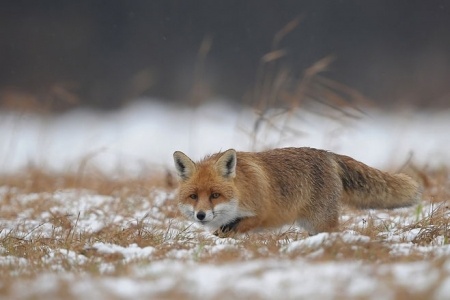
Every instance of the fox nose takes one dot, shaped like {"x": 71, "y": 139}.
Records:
{"x": 201, "y": 215}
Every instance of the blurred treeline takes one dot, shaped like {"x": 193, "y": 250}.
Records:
{"x": 59, "y": 54}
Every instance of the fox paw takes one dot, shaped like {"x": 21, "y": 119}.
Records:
{"x": 227, "y": 230}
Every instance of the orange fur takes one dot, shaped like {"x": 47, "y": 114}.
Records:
{"x": 236, "y": 192}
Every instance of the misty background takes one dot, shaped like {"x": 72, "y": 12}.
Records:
{"x": 103, "y": 54}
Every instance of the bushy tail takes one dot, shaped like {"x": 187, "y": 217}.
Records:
{"x": 366, "y": 187}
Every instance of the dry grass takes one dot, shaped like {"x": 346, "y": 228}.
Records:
{"x": 281, "y": 93}
{"x": 37, "y": 193}
{"x": 45, "y": 219}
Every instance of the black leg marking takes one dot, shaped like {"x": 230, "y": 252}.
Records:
{"x": 230, "y": 226}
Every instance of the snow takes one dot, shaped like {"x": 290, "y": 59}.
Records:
{"x": 288, "y": 275}
{"x": 141, "y": 138}
{"x": 131, "y": 252}
{"x": 269, "y": 279}
{"x": 312, "y": 242}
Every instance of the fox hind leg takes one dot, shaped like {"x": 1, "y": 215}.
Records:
{"x": 326, "y": 222}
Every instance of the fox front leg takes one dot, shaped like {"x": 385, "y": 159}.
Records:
{"x": 238, "y": 226}
{"x": 227, "y": 230}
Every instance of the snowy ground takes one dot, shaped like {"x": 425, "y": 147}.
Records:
{"x": 378, "y": 255}
{"x": 144, "y": 135}
{"x": 120, "y": 243}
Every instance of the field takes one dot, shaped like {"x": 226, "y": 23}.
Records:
{"x": 76, "y": 231}
{"x": 66, "y": 237}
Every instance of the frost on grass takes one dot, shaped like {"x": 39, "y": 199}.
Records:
{"x": 115, "y": 243}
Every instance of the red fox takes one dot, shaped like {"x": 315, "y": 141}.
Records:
{"x": 234, "y": 192}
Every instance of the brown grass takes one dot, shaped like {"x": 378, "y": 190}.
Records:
{"x": 33, "y": 196}
{"x": 42, "y": 186}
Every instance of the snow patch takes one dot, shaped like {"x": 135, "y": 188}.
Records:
{"x": 125, "y": 140}
{"x": 131, "y": 252}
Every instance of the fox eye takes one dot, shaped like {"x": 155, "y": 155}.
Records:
{"x": 215, "y": 195}
{"x": 193, "y": 196}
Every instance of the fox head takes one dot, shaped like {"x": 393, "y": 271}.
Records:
{"x": 207, "y": 193}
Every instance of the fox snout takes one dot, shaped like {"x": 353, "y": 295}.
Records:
{"x": 204, "y": 216}
{"x": 218, "y": 216}
{"x": 201, "y": 215}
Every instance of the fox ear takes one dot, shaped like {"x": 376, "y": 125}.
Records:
{"x": 226, "y": 164}
{"x": 184, "y": 165}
